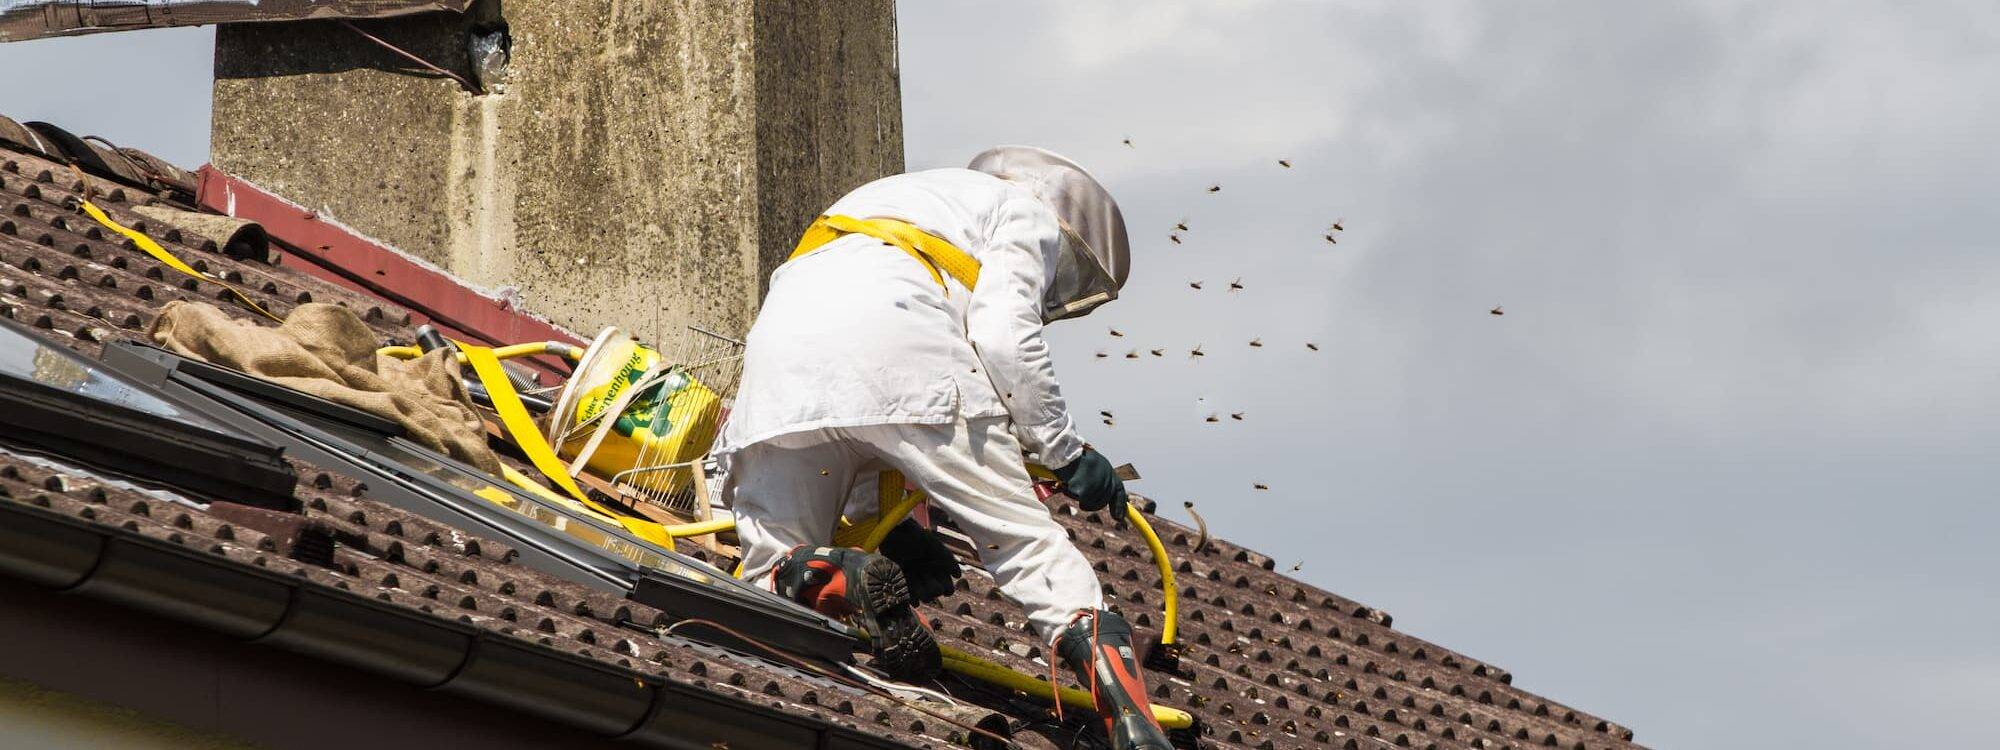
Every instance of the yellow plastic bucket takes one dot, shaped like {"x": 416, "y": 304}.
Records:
{"x": 673, "y": 420}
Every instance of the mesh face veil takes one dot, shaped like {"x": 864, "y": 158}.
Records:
{"x": 1095, "y": 256}
{"x": 1080, "y": 282}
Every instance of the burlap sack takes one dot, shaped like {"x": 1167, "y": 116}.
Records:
{"x": 326, "y": 351}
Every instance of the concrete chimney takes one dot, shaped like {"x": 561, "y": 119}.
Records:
{"x": 644, "y": 163}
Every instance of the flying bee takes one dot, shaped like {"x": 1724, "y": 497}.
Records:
{"x": 1159, "y": 352}
{"x": 1236, "y": 415}
{"x": 1194, "y": 285}
{"x": 1286, "y": 163}
{"x": 1215, "y": 188}
{"x": 1259, "y": 343}
{"x": 1336, "y": 225}
{"x": 1196, "y": 352}
{"x": 1128, "y": 143}
{"x": 1182, "y": 225}
{"x": 1310, "y": 345}
{"x": 1116, "y": 332}
{"x": 1213, "y": 419}
{"x": 1175, "y": 237}
{"x": 1330, "y": 240}
{"x": 1495, "y": 311}
{"x": 1237, "y": 285}
{"x": 1134, "y": 354}
{"x": 1261, "y": 486}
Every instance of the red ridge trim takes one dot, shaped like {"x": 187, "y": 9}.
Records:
{"x": 343, "y": 257}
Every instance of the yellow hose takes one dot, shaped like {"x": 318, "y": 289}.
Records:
{"x": 510, "y": 351}
{"x": 962, "y": 663}
{"x": 886, "y": 519}
{"x": 1170, "y": 594}
{"x": 702, "y": 528}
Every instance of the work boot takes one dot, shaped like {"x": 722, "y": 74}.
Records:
{"x": 867, "y": 591}
{"x": 1098, "y": 646}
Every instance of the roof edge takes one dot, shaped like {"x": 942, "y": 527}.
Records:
{"x": 265, "y": 606}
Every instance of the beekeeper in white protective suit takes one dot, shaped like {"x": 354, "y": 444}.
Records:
{"x": 906, "y": 333}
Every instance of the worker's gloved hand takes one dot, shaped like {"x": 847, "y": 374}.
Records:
{"x": 1094, "y": 483}
{"x": 929, "y": 567}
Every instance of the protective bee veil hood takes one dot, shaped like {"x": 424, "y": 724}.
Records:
{"x": 1095, "y": 257}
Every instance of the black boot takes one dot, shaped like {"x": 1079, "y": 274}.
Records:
{"x": 1098, "y": 646}
{"x": 869, "y": 592}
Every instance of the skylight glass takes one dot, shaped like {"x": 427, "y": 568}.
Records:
{"x": 29, "y": 358}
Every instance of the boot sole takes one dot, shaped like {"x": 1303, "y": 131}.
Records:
{"x": 903, "y": 647}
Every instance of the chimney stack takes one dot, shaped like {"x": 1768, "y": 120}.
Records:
{"x": 643, "y": 163}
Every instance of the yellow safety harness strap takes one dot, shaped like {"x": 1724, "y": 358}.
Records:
{"x": 160, "y": 254}
{"x": 938, "y": 256}
{"x": 514, "y": 417}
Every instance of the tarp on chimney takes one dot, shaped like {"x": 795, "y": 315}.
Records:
{"x": 33, "y": 19}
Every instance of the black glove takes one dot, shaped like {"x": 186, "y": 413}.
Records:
{"x": 928, "y": 566}
{"x": 1091, "y": 480}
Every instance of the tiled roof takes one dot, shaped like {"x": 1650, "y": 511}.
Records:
{"x": 391, "y": 556}
{"x": 65, "y": 274}
{"x": 1270, "y": 662}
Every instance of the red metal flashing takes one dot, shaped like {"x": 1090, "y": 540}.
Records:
{"x": 343, "y": 257}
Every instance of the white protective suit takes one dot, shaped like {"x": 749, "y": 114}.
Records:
{"x": 862, "y": 360}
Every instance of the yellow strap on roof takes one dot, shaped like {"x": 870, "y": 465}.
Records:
{"x": 514, "y": 417}
{"x": 938, "y": 256}
{"x": 154, "y": 249}
{"x": 160, "y": 254}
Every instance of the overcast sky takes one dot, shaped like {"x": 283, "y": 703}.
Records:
{"x": 1722, "y": 472}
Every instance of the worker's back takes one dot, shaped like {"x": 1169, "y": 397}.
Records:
{"x": 858, "y": 332}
